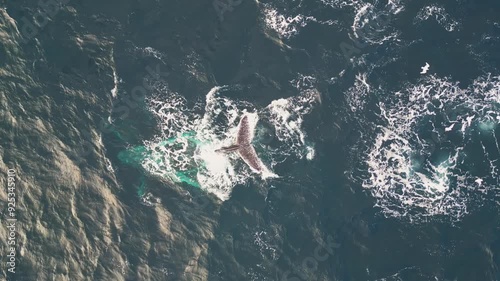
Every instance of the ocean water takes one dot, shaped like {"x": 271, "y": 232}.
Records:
{"x": 376, "y": 122}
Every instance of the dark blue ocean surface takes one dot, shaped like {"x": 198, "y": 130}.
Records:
{"x": 370, "y": 152}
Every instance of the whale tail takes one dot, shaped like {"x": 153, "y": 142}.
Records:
{"x": 244, "y": 145}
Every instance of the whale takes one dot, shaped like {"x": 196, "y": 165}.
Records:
{"x": 243, "y": 145}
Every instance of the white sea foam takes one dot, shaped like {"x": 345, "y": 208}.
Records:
{"x": 283, "y": 25}
{"x": 371, "y": 21}
{"x": 288, "y": 26}
{"x": 303, "y": 82}
{"x": 371, "y": 25}
{"x": 440, "y": 15}
{"x": 356, "y": 96}
{"x": 264, "y": 242}
{"x": 150, "y": 52}
{"x": 368, "y": 23}
{"x": 395, "y": 6}
{"x": 339, "y": 4}
{"x": 287, "y": 116}
{"x": 114, "y": 91}
{"x": 416, "y": 169}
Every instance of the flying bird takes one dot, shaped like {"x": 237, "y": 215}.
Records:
{"x": 424, "y": 68}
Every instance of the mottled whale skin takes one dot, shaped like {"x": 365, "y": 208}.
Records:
{"x": 244, "y": 146}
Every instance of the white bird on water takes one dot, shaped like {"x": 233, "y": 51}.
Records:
{"x": 479, "y": 181}
{"x": 424, "y": 68}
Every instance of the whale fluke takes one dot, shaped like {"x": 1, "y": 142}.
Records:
{"x": 244, "y": 145}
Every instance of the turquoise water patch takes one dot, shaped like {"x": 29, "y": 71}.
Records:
{"x": 487, "y": 126}
{"x": 167, "y": 158}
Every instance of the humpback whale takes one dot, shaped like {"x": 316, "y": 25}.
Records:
{"x": 244, "y": 145}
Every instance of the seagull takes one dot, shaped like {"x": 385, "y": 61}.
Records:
{"x": 425, "y": 68}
